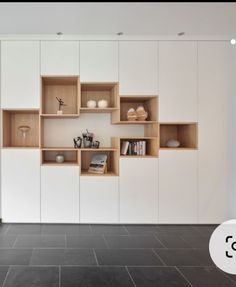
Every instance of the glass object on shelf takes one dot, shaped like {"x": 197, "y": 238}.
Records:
{"x": 24, "y": 132}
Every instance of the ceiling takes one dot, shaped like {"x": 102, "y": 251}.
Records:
{"x": 109, "y": 18}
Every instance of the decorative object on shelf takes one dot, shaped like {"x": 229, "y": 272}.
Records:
{"x": 98, "y": 164}
{"x": 91, "y": 104}
{"x": 95, "y": 144}
{"x": 102, "y": 104}
{"x": 24, "y": 131}
{"x": 77, "y": 142}
{"x": 87, "y": 139}
{"x": 61, "y": 104}
{"x": 131, "y": 115}
{"x": 141, "y": 114}
{"x": 172, "y": 143}
{"x": 60, "y": 158}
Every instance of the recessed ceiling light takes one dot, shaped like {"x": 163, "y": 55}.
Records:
{"x": 59, "y": 33}
{"x": 120, "y": 33}
{"x": 233, "y": 41}
{"x": 181, "y": 34}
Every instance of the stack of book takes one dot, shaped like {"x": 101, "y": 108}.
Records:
{"x": 133, "y": 148}
{"x": 98, "y": 164}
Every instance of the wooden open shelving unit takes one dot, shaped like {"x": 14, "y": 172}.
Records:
{"x": 66, "y": 88}
{"x": 185, "y": 133}
{"x": 99, "y": 91}
{"x": 150, "y": 104}
{"x": 75, "y": 95}
{"x": 12, "y": 119}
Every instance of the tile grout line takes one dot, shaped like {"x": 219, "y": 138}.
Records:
{"x": 5, "y": 232}
{"x": 178, "y": 270}
{"x": 5, "y": 280}
{"x": 159, "y": 257}
{"x": 66, "y": 241}
{"x": 159, "y": 240}
{"x": 125, "y": 228}
{"x": 14, "y": 244}
{"x": 95, "y": 255}
{"x": 59, "y": 276}
{"x": 131, "y": 278}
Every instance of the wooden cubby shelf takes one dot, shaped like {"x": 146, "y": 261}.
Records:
{"x": 112, "y": 161}
{"x": 48, "y": 157}
{"x": 151, "y": 146}
{"x": 150, "y": 104}
{"x": 96, "y": 92}
{"x": 66, "y": 88}
{"x": 13, "y": 135}
{"x": 185, "y": 133}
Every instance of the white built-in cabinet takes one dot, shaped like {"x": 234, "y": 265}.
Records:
{"x": 138, "y": 190}
{"x": 20, "y": 74}
{"x": 60, "y": 194}
{"x": 178, "y": 100}
{"x": 215, "y": 83}
{"x": 60, "y": 58}
{"x": 138, "y": 67}
{"x": 20, "y": 185}
{"x": 99, "y": 61}
{"x": 178, "y": 199}
{"x": 99, "y": 199}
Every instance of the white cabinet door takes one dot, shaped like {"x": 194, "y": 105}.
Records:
{"x": 60, "y": 194}
{"x": 99, "y": 199}
{"x": 139, "y": 190}
{"x": 20, "y": 185}
{"x": 178, "y": 81}
{"x": 20, "y": 76}
{"x": 138, "y": 66}
{"x": 178, "y": 186}
{"x": 60, "y": 58}
{"x": 99, "y": 61}
{"x": 215, "y": 76}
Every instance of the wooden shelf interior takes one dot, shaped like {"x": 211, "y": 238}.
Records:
{"x": 49, "y": 156}
{"x": 151, "y": 146}
{"x": 66, "y": 88}
{"x": 186, "y": 134}
{"x": 150, "y": 105}
{"x": 12, "y": 120}
{"x": 99, "y": 91}
{"x": 112, "y": 161}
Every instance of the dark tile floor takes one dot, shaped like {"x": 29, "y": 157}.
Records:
{"x": 108, "y": 256}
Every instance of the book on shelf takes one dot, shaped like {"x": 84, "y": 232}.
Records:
{"x": 98, "y": 164}
{"x": 133, "y": 148}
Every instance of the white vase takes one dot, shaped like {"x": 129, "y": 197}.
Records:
{"x": 102, "y": 104}
{"x": 60, "y": 158}
{"x": 172, "y": 143}
{"x": 91, "y": 104}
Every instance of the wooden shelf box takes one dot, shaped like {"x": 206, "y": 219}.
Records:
{"x": 150, "y": 105}
{"x": 13, "y": 136}
{"x": 66, "y": 88}
{"x": 185, "y": 133}
{"x": 150, "y": 142}
{"x": 112, "y": 161}
{"x": 48, "y": 156}
{"x": 99, "y": 91}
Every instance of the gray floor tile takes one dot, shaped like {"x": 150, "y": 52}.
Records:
{"x": 15, "y": 256}
{"x": 133, "y": 241}
{"x": 231, "y": 276}
{"x": 173, "y": 230}
{"x": 108, "y": 229}
{"x": 95, "y": 277}
{"x": 141, "y": 229}
{"x": 127, "y": 257}
{"x": 32, "y": 277}
{"x": 197, "y": 241}
{"x": 16, "y": 229}
{"x": 7, "y": 241}
{"x": 206, "y": 277}
{"x": 173, "y": 241}
{"x": 3, "y": 273}
{"x": 185, "y": 257}
{"x": 85, "y": 241}
{"x": 157, "y": 276}
{"x": 205, "y": 229}
{"x": 63, "y": 257}
{"x": 3, "y": 228}
{"x": 33, "y": 241}
{"x": 73, "y": 229}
